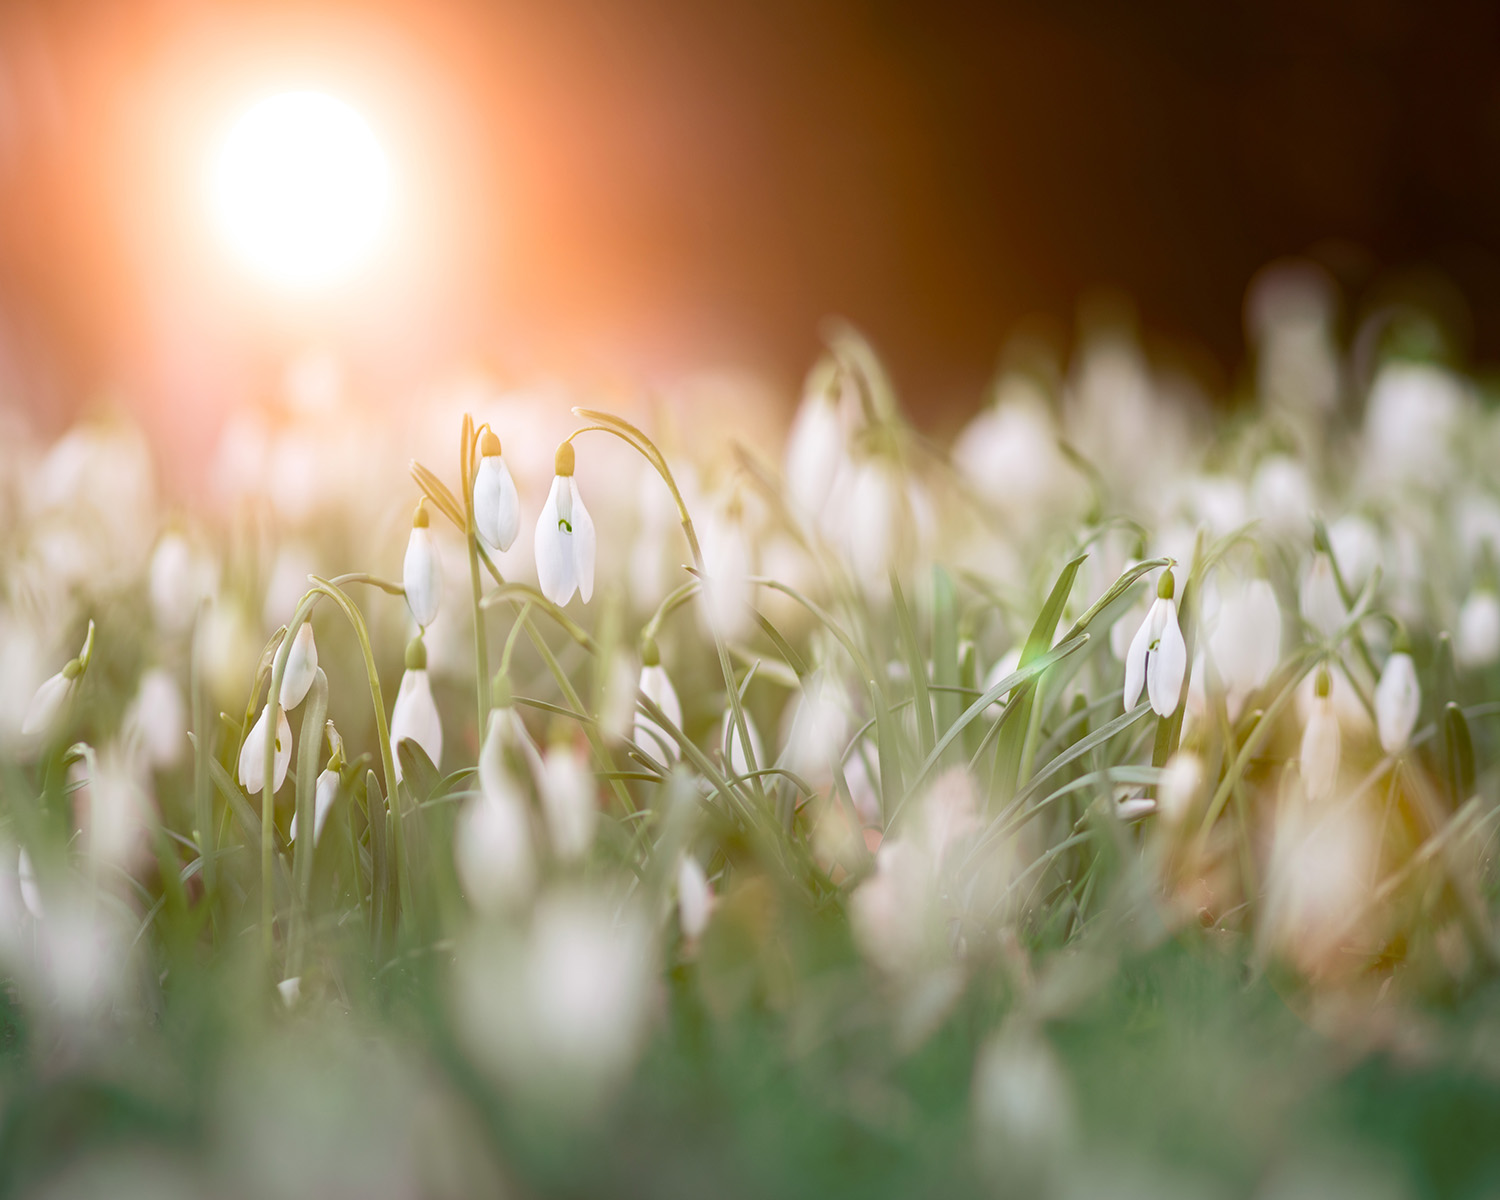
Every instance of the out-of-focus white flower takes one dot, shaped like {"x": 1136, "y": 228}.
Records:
{"x": 1398, "y": 699}
{"x": 878, "y": 531}
{"x": 1006, "y": 665}
{"x": 114, "y": 810}
{"x": 565, "y": 538}
{"x": 892, "y": 912}
{"x": 695, "y": 898}
{"x": 1281, "y": 495}
{"x": 1356, "y": 549}
{"x": 650, "y": 736}
{"x": 31, "y": 894}
{"x": 817, "y": 731}
{"x": 157, "y": 718}
{"x": 1245, "y": 640}
{"x": 325, "y": 793}
{"x": 421, "y": 572}
{"x": 301, "y": 666}
{"x": 1318, "y": 600}
{"x": 415, "y": 715}
{"x": 1009, "y": 454}
{"x": 1181, "y": 781}
{"x": 492, "y": 842}
{"x": 45, "y": 712}
{"x": 253, "y": 754}
{"x": 560, "y": 1013}
{"x": 1157, "y": 660}
{"x": 290, "y": 991}
{"x": 287, "y": 583}
{"x": 1023, "y": 1106}
{"x": 178, "y": 579}
{"x": 733, "y": 749}
{"x": 1322, "y": 743}
{"x": 728, "y": 558}
{"x": 1476, "y": 641}
{"x": 1411, "y": 418}
{"x": 815, "y": 446}
{"x": 497, "y": 507}
{"x": 569, "y": 802}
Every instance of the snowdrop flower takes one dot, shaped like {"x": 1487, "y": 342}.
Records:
{"x": 1009, "y": 455}
{"x": 492, "y": 844}
{"x": 1321, "y": 743}
{"x": 253, "y": 754}
{"x": 325, "y": 792}
{"x": 177, "y": 580}
{"x": 650, "y": 736}
{"x": 45, "y": 712}
{"x": 31, "y": 892}
{"x": 815, "y": 735}
{"x": 1354, "y": 542}
{"x": 565, "y": 537}
{"x": 815, "y": 446}
{"x": 733, "y": 749}
{"x": 415, "y": 716}
{"x": 290, "y": 990}
{"x": 879, "y": 522}
{"x": 1157, "y": 660}
{"x": 113, "y": 809}
{"x": 301, "y": 666}
{"x": 497, "y": 508}
{"x": 157, "y": 718}
{"x": 568, "y": 802}
{"x": 727, "y": 557}
{"x": 1398, "y": 698}
{"x": 695, "y": 898}
{"x": 421, "y": 573}
{"x": 1476, "y": 641}
{"x": 1245, "y": 642}
{"x": 1319, "y": 600}
{"x": 1410, "y": 420}
{"x": 1281, "y": 495}
{"x": 1181, "y": 781}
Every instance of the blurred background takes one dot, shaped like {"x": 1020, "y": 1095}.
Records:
{"x": 637, "y": 192}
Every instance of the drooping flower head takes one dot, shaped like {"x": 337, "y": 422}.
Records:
{"x": 565, "y": 541}
{"x": 657, "y": 688}
{"x": 420, "y": 572}
{"x": 301, "y": 667}
{"x": 415, "y": 716}
{"x": 1322, "y": 743}
{"x": 1157, "y": 659}
{"x": 1398, "y": 699}
{"x": 252, "y": 767}
{"x": 497, "y": 508}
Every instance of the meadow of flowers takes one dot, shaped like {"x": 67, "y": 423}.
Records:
{"x": 1103, "y": 803}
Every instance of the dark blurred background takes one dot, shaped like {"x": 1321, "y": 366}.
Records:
{"x": 653, "y": 186}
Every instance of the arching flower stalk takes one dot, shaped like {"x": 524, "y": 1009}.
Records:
{"x": 565, "y": 540}
{"x": 1157, "y": 659}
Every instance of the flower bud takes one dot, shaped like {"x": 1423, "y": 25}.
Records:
{"x": 497, "y": 508}
{"x": 421, "y": 575}
{"x": 1321, "y": 743}
{"x": 695, "y": 898}
{"x": 1398, "y": 699}
{"x": 301, "y": 666}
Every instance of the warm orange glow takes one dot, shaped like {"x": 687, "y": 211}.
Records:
{"x": 301, "y": 189}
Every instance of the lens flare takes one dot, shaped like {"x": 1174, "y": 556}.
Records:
{"x": 301, "y": 189}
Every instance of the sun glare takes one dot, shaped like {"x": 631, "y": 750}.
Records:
{"x": 301, "y": 189}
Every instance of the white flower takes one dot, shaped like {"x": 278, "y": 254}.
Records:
{"x": 1281, "y": 495}
{"x": 113, "y": 808}
{"x": 1319, "y": 600}
{"x": 695, "y": 898}
{"x": 650, "y": 736}
{"x": 815, "y": 446}
{"x": 290, "y": 990}
{"x": 568, "y": 802}
{"x": 1355, "y": 542}
{"x": 1157, "y": 660}
{"x": 157, "y": 718}
{"x": 565, "y": 539}
{"x": 178, "y": 579}
{"x": 816, "y": 733}
{"x": 492, "y": 846}
{"x": 253, "y": 754}
{"x": 1009, "y": 455}
{"x": 1245, "y": 642}
{"x": 727, "y": 559}
{"x": 1398, "y": 698}
{"x": 1410, "y": 420}
{"x": 31, "y": 893}
{"x": 421, "y": 573}
{"x": 879, "y": 518}
{"x": 1321, "y": 744}
{"x": 733, "y": 750}
{"x": 497, "y": 508}
{"x": 1181, "y": 781}
{"x": 301, "y": 666}
{"x": 415, "y": 715}
{"x": 1476, "y": 641}
{"x": 45, "y": 712}
{"x": 324, "y": 794}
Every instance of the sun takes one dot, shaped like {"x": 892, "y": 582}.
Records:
{"x": 301, "y": 189}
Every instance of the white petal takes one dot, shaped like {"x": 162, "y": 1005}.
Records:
{"x": 568, "y": 803}
{"x": 47, "y": 705}
{"x": 324, "y": 795}
{"x": 732, "y": 748}
{"x": 252, "y": 767}
{"x": 584, "y": 544}
{"x": 695, "y": 898}
{"x": 492, "y": 846}
{"x": 1398, "y": 698}
{"x": 283, "y": 759}
{"x": 1167, "y": 665}
{"x": 421, "y": 577}
{"x": 415, "y": 718}
{"x": 650, "y": 736}
{"x": 556, "y": 571}
{"x": 1321, "y": 751}
{"x": 301, "y": 666}
{"x": 1135, "y": 662}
